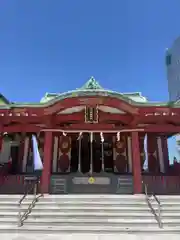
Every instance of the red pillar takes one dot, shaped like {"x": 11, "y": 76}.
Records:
{"x": 136, "y": 163}
{"x": 45, "y": 180}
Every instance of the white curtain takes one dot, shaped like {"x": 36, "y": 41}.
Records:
{"x": 145, "y": 166}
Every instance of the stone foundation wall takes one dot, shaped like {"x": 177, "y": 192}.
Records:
{"x": 100, "y": 183}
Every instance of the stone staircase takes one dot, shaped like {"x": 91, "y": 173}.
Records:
{"x": 90, "y": 214}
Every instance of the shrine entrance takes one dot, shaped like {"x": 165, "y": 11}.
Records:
{"x": 92, "y": 155}
{"x": 92, "y": 168}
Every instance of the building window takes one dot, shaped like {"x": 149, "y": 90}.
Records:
{"x": 168, "y": 60}
{"x": 178, "y": 95}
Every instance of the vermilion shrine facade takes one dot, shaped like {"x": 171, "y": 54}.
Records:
{"x": 91, "y": 140}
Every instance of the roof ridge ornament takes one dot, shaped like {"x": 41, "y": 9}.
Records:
{"x": 91, "y": 84}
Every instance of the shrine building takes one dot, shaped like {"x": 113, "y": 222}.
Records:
{"x": 91, "y": 140}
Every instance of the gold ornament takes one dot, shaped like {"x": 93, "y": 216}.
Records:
{"x": 91, "y": 180}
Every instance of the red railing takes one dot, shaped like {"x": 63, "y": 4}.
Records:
{"x": 163, "y": 184}
{"x": 4, "y": 171}
{"x": 12, "y": 184}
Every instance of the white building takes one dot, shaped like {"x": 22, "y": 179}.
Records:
{"x": 173, "y": 77}
{"x": 173, "y": 70}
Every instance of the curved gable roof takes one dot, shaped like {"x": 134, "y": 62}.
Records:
{"x": 92, "y": 88}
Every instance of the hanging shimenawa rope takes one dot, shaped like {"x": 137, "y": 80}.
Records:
{"x": 102, "y": 149}
{"x": 118, "y": 136}
{"x": 91, "y": 152}
{"x": 79, "y": 151}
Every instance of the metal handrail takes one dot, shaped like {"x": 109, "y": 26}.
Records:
{"x": 22, "y": 217}
{"x": 148, "y": 199}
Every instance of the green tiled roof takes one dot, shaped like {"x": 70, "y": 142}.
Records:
{"x": 3, "y": 100}
{"x": 93, "y": 88}
{"x": 90, "y": 88}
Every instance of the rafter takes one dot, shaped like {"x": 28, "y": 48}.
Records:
{"x": 91, "y": 101}
{"x": 162, "y": 128}
{"x": 153, "y": 128}
{"x": 124, "y": 118}
{"x": 166, "y": 128}
{"x": 163, "y": 110}
{"x": 20, "y": 128}
{"x": 158, "y": 119}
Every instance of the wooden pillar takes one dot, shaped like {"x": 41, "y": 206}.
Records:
{"x": 160, "y": 154}
{"x": 1, "y": 142}
{"x": 21, "y": 153}
{"x": 136, "y": 163}
{"x": 165, "y": 152}
{"x": 153, "y": 158}
{"x": 45, "y": 180}
{"x": 25, "y": 153}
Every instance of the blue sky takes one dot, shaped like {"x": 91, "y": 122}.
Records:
{"x": 54, "y": 46}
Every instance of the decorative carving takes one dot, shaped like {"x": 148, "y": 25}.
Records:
{"x": 64, "y": 154}
{"x": 121, "y": 157}
{"x": 120, "y": 145}
{"x": 63, "y": 162}
{"x": 121, "y": 163}
{"x": 65, "y": 144}
{"x": 91, "y": 84}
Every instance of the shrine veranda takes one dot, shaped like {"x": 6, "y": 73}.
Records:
{"x": 91, "y": 140}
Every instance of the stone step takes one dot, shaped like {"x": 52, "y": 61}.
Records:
{"x": 12, "y": 228}
{"x": 100, "y": 215}
{"x": 94, "y": 196}
{"x": 79, "y": 208}
{"x": 110, "y": 200}
{"x": 99, "y": 199}
{"x": 79, "y": 197}
{"x": 38, "y": 210}
{"x": 74, "y": 211}
{"x": 45, "y": 214}
{"x": 94, "y": 204}
{"x": 77, "y": 223}
{"x": 75, "y": 203}
{"x": 83, "y": 220}
{"x": 89, "y": 207}
{"x": 91, "y": 216}
{"x": 80, "y": 200}
{"x": 127, "y": 214}
{"x": 106, "y": 203}
{"x": 123, "y": 222}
